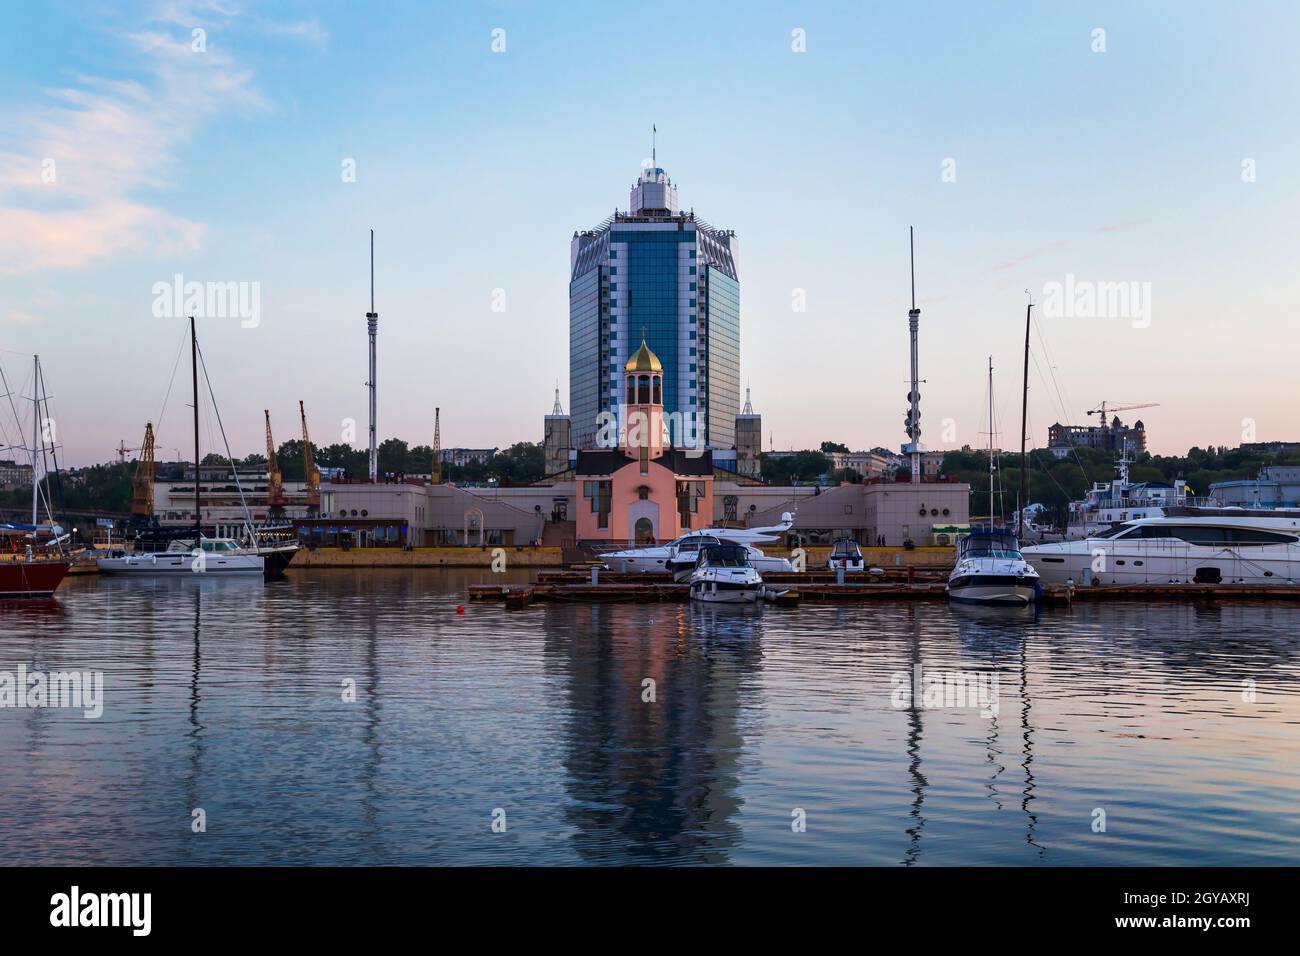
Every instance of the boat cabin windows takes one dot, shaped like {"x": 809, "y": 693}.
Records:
{"x": 986, "y": 544}
{"x": 1203, "y": 535}
{"x": 724, "y": 556}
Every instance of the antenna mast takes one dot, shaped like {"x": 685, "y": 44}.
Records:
{"x": 372, "y": 326}
{"x": 913, "y": 420}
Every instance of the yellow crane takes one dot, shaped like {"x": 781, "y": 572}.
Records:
{"x": 435, "y": 473}
{"x": 309, "y": 471}
{"x": 274, "y": 483}
{"x": 142, "y": 484}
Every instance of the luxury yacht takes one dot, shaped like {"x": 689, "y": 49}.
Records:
{"x": 1187, "y": 545}
{"x": 660, "y": 558}
{"x": 723, "y": 575}
{"x": 990, "y": 570}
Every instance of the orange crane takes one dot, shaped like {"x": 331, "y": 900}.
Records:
{"x": 274, "y": 483}
{"x": 142, "y": 484}
{"x": 309, "y": 471}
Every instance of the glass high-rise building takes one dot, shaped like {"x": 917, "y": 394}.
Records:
{"x": 670, "y": 277}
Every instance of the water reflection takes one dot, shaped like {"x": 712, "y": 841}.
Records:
{"x": 642, "y": 733}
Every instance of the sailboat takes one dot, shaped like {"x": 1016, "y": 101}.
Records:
{"x": 219, "y": 557}
{"x": 28, "y": 567}
{"x": 990, "y": 569}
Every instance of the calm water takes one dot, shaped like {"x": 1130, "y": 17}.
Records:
{"x": 227, "y": 695}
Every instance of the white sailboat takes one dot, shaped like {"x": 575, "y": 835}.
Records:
{"x": 990, "y": 568}
{"x": 219, "y": 557}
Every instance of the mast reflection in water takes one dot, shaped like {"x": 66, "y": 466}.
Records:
{"x": 355, "y": 717}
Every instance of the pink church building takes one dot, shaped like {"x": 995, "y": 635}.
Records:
{"x": 642, "y": 491}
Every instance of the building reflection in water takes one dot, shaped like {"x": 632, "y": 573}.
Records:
{"x": 655, "y": 782}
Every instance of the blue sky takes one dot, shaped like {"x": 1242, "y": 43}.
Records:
{"x": 474, "y": 168}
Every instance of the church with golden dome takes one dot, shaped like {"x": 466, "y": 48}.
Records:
{"x": 639, "y": 487}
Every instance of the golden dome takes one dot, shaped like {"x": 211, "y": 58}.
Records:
{"x": 644, "y": 361}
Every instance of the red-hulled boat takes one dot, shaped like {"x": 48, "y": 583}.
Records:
{"x": 38, "y": 578}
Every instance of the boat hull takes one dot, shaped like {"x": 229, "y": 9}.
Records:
{"x": 182, "y": 563}
{"x": 724, "y": 592}
{"x": 31, "y": 579}
{"x": 993, "y": 590}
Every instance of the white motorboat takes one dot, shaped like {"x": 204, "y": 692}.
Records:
{"x": 217, "y": 556}
{"x": 990, "y": 570}
{"x": 723, "y": 575}
{"x": 846, "y": 554}
{"x": 1187, "y": 545}
{"x": 660, "y": 558}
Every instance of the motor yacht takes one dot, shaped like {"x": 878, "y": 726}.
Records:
{"x": 723, "y": 575}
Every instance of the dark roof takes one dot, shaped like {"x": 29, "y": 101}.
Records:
{"x": 680, "y": 462}
{"x": 606, "y": 461}
{"x": 602, "y": 461}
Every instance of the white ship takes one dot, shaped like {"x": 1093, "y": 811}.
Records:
{"x": 723, "y": 575}
{"x": 1111, "y": 503}
{"x": 1186, "y": 545}
{"x": 662, "y": 557}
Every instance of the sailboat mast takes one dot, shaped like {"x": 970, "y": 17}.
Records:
{"x": 36, "y": 421}
{"x": 198, "y": 501}
{"x": 1024, "y": 424}
{"x": 990, "y": 442}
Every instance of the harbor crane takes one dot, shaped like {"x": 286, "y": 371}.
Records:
{"x": 142, "y": 484}
{"x": 274, "y": 482}
{"x": 310, "y": 473}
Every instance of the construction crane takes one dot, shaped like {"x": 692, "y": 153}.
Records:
{"x": 1110, "y": 407}
{"x": 309, "y": 472}
{"x": 142, "y": 485}
{"x": 1104, "y": 406}
{"x": 122, "y": 451}
{"x": 435, "y": 473}
{"x": 274, "y": 483}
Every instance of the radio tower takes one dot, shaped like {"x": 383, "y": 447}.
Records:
{"x": 435, "y": 474}
{"x": 372, "y": 325}
{"x": 912, "y": 422}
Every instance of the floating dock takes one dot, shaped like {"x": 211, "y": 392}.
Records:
{"x": 791, "y": 590}
{"x": 522, "y": 595}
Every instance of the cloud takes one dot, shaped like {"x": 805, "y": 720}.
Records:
{"x": 74, "y": 190}
{"x": 18, "y": 317}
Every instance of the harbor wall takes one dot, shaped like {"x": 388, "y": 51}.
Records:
{"x": 425, "y": 558}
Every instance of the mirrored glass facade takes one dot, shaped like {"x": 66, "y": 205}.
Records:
{"x": 670, "y": 277}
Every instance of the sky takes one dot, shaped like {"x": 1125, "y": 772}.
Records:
{"x": 1149, "y": 149}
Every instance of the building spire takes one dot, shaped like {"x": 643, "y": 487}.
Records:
{"x": 557, "y": 410}
{"x": 748, "y": 409}
{"x": 654, "y": 137}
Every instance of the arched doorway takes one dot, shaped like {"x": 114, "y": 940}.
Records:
{"x": 644, "y": 531}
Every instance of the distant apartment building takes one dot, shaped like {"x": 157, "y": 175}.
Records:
{"x": 463, "y": 456}
{"x": 667, "y": 277}
{"x": 14, "y": 475}
{"x": 866, "y": 464}
{"x": 1116, "y": 436}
